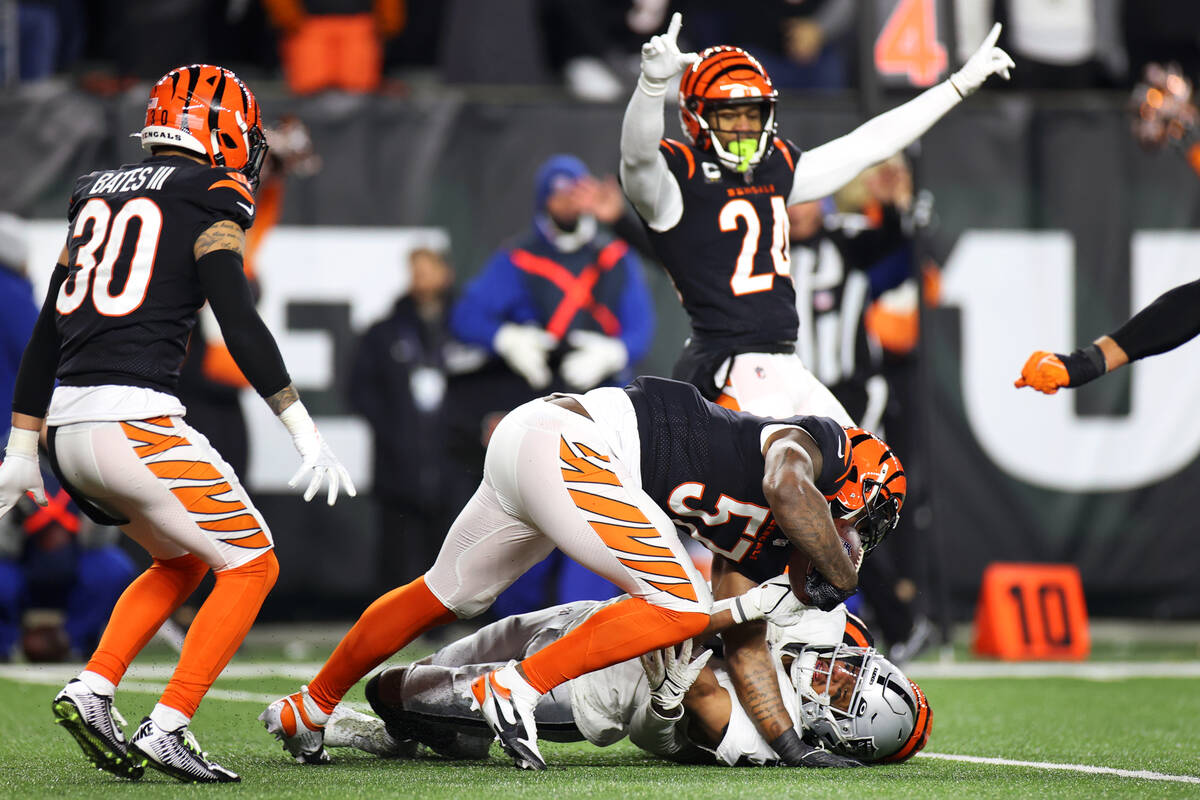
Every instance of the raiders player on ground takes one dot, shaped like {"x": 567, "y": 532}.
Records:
{"x": 147, "y": 244}
{"x": 837, "y": 689}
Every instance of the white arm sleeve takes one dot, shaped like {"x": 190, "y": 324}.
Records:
{"x": 647, "y": 180}
{"x": 825, "y": 169}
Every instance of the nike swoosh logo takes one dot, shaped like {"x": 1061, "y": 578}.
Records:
{"x": 250, "y": 210}
{"x": 840, "y": 441}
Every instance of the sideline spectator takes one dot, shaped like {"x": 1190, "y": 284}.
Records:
{"x": 564, "y": 289}
{"x": 566, "y": 307}
{"x": 398, "y": 383}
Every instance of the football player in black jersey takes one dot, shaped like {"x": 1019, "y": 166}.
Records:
{"x": 715, "y": 208}
{"x": 610, "y": 477}
{"x": 147, "y": 244}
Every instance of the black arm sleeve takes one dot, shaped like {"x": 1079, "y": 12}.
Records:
{"x": 39, "y": 363}
{"x": 1171, "y": 320}
{"x": 630, "y": 228}
{"x": 249, "y": 340}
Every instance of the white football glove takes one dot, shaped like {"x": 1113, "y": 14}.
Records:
{"x": 662, "y": 60}
{"x": 987, "y": 60}
{"x": 594, "y": 358}
{"x": 670, "y": 672}
{"x": 315, "y": 456}
{"x": 772, "y": 600}
{"x": 19, "y": 472}
{"x": 526, "y": 348}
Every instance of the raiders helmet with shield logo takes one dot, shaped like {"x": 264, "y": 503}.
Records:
{"x": 856, "y": 703}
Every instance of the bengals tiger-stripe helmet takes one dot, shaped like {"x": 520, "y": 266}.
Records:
{"x": 207, "y": 110}
{"x": 727, "y": 76}
{"x": 874, "y": 490}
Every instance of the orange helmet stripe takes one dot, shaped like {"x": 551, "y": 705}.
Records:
{"x": 920, "y": 732}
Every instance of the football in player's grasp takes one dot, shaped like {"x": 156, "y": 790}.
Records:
{"x": 799, "y": 564}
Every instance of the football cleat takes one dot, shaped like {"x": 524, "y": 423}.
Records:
{"x": 96, "y": 725}
{"x": 292, "y": 724}
{"x": 178, "y": 754}
{"x": 509, "y": 716}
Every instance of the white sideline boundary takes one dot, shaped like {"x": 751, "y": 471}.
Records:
{"x": 1091, "y": 671}
{"x": 1086, "y": 768}
{"x": 149, "y": 679}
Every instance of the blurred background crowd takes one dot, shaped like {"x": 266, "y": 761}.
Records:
{"x": 588, "y": 46}
{"x": 430, "y": 158}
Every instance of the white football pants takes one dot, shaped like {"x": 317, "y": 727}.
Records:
{"x": 552, "y": 480}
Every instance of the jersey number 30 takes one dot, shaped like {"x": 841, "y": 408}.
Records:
{"x": 744, "y": 281}
{"x": 96, "y": 277}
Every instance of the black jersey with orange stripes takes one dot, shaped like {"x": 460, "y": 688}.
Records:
{"x": 728, "y": 254}
{"x": 129, "y": 302}
{"x": 703, "y": 464}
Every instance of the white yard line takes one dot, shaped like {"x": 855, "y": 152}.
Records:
{"x": 150, "y": 679}
{"x": 1094, "y": 671}
{"x": 1121, "y": 773}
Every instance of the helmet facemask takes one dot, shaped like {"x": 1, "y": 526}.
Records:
{"x": 875, "y": 518}
{"x": 723, "y": 77}
{"x": 873, "y": 493}
{"x": 257, "y": 148}
{"x": 748, "y": 148}
{"x": 856, "y": 703}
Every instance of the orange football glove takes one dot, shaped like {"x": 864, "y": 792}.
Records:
{"x": 1049, "y": 372}
{"x": 1045, "y": 372}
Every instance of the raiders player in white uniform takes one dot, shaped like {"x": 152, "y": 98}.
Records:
{"x": 428, "y": 702}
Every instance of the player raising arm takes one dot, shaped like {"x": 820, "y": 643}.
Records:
{"x": 148, "y": 243}
{"x": 715, "y": 208}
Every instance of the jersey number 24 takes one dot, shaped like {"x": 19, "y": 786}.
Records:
{"x": 739, "y": 210}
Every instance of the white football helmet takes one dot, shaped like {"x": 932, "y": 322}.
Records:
{"x": 856, "y": 703}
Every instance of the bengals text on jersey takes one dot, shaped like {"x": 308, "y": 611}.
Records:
{"x": 728, "y": 254}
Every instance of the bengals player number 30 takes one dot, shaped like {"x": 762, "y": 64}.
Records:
{"x": 148, "y": 243}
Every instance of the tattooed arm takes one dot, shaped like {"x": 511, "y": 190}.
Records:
{"x": 801, "y": 511}
{"x": 223, "y": 235}
{"x": 750, "y": 665}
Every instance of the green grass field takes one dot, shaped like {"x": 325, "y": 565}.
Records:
{"x": 1082, "y": 724}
